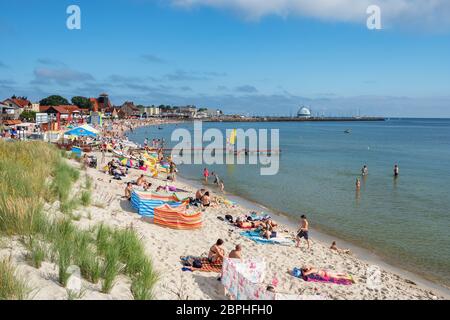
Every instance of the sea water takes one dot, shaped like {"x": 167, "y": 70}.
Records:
{"x": 405, "y": 220}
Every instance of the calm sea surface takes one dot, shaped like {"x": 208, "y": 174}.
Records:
{"x": 405, "y": 220}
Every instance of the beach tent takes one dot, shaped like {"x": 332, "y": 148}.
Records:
{"x": 177, "y": 217}
{"x": 81, "y": 132}
{"x": 146, "y": 202}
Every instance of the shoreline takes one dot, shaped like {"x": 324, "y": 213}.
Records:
{"x": 325, "y": 239}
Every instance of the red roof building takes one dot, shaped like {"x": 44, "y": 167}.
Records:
{"x": 101, "y": 104}
{"x": 18, "y": 103}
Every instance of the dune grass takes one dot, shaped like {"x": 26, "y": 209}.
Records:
{"x": 111, "y": 268}
{"x": 11, "y": 286}
{"x": 35, "y": 173}
{"x": 37, "y": 251}
{"x": 88, "y": 182}
{"x": 143, "y": 282}
{"x": 85, "y": 198}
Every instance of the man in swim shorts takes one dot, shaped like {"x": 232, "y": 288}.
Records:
{"x": 302, "y": 232}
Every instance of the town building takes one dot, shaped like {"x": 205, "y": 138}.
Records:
{"x": 102, "y": 104}
{"x": 18, "y": 105}
{"x": 304, "y": 112}
{"x": 129, "y": 110}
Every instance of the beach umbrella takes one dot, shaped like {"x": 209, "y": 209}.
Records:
{"x": 80, "y": 132}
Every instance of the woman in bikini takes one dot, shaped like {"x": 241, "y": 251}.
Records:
{"x": 323, "y": 273}
{"x": 206, "y": 201}
{"x": 216, "y": 252}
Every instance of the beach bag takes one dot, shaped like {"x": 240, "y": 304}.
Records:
{"x": 197, "y": 264}
{"x": 297, "y": 273}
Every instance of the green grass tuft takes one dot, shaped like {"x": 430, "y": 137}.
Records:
{"x": 111, "y": 268}
{"x": 85, "y": 198}
{"x": 143, "y": 283}
{"x": 11, "y": 287}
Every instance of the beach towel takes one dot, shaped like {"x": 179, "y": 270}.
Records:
{"x": 254, "y": 235}
{"x": 348, "y": 280}
{"x": 207, "y": 266}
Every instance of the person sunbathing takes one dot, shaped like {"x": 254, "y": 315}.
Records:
{"x": 248, "y": 224}
{"x": 236, "y": 253}
{"x": 206, "y": 200}
{"x": 335, "y": 248}
{"x": 323, "y": 273}
{"x": 141, "y": 180}
{"x": 199, "y": 194}
{"x": 160, "y": 188}
{"x": 128, "y": 190}
{"x": 147, "y": 186}
{"x": 268, "y": 228}
{"x": 216, "y": 252}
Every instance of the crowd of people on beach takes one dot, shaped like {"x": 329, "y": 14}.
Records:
{"x": 114, "y": 140}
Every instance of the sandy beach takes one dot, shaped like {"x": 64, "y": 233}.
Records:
{"x": 165, "y": 246}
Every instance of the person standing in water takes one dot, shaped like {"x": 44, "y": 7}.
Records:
{"x": 364, "y": 170}
{"x": 206, "y": 175}
{"x": 302, "y": 232}
{"x": 396, "y": 171}
{"x": 358, "y": 184}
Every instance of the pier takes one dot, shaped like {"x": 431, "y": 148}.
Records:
{"x": 291, "y": 119}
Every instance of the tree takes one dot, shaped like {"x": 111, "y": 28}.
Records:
{"x": 54, "y": 100}
{"x": 202, "y": 109}
{"x": 82, "y": 102}
{"x": 28, "y": 115}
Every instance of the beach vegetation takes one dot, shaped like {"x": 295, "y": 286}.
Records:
{"x": 111, "y": 267}
{"x": 35, "y": 173}
{"x": 37, "y": 252}
{"x": 11, "y": 286}
{"x": 144, "y": 281}
{"x": 85, "y": 198}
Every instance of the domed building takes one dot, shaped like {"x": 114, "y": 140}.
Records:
{"x": 304, "y": 112}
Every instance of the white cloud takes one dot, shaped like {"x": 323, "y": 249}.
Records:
{"x": 404, "y": 13}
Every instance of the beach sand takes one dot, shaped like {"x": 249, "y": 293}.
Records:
{"x": 165, "y": 246}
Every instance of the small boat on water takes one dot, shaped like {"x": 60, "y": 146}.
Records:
{"x": 347, "y": 131}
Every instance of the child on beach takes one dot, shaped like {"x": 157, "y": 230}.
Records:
{"x": 335, "y": 248}
{"x": 206, "y": 174}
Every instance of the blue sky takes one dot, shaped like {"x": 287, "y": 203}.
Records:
{"x": 246, "y": 56}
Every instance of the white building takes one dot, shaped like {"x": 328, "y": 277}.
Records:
{"x": 304, "y": 112}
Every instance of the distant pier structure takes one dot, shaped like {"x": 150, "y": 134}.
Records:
{"x": 303, "y": 114}
{"x": 290, "y": 119}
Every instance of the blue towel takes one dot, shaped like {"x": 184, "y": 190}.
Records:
{"x": 254, "y": 235}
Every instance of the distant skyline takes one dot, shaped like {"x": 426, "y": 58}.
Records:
{"x": 242, "y": 56}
